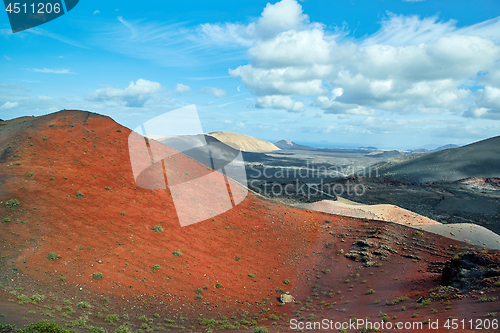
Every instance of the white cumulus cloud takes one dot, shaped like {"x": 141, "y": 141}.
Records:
{"x": 9, "y": 105}
{"x": 281, "y": 16}
{"x": 214, "y": 91}
{"x": 279, "y": 102}
{"x": 135, "y": 95}
{"x": 411, "y": 64}
{"x": 181, "y": 88}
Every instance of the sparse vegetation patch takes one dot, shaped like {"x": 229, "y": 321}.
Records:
{"x": 12, "y": 204}
{"x": 53, "y": 256}
{"x": 157, "y": 228}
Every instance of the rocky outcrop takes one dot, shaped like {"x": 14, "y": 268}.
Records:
{"x": 368, "y": 249}
{"x": 472, "y": 270}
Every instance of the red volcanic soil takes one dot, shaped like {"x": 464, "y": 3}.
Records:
{"x": 233, "y": 267}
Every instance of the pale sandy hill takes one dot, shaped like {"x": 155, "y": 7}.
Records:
{"x": 389, "y": 213}
{"x": 244, "y": 142}
{"x": 466, "y": 232}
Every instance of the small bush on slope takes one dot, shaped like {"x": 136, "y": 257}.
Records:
{"x": 43, "y": 326}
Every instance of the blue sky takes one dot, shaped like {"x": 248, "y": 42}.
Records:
{"x": 386, "y": 73}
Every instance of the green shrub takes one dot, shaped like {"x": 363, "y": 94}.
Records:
{"x": 6, "y": 219}
{"x": 198, "y": 298}
{"x": 83, "y": 305}
{"x": 218, "y": 286}
{"x": 12, "y": 204}
{"x": 426, "y": 302}
{"x": 79, "y": 194}
{"x": 31, "y": 174}
{"x": 122, "y": 213}
{"x": 157, "y": 228}
{"x": 7, "y": 328}
{"x": 112, "y": 318}
{"x": 53, "y": 256}
{"x": 370, "y": 291}
{"x": 198, "y": 291}
{"x": 43, "y": 327}
{"x": 252, "y": 275}
{"x": 397, "y": 300}
{"x": 37, "y": 298}
{"x": 155, "y": 268}
{"x": 123, "y": 329}
{"x": 97, "y": 276}
{"x": 286, "y": 281}
{"x": 486, "y": 299}
{"x": 385, "y": 317}
{"x": 260, "y": 330}
{"x": 177, "y": 253}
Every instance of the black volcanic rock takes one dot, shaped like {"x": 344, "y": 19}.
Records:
{"x": 470, "y": 270}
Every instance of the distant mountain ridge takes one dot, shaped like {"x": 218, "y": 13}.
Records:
{"x": 449, "y": 146}
{"x": 287, "y": 144}
{"x": 479, "y": 159}
{"x": 428, "y": 150}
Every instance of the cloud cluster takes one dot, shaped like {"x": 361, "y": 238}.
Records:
{"x": 279, "y": 102}
{"x": 411, "y": 64}
{"x": 181, "y": 88}
{"x": 52, "y": 71}
{"x": 213, "y": 91}
{"x": 9, "y": 105}
{"x": 135, "y": 95}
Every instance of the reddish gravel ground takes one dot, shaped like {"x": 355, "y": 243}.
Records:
{"x": 233, "y": 268}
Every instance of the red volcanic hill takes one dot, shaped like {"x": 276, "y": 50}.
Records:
{"x": 80, "y": 206}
